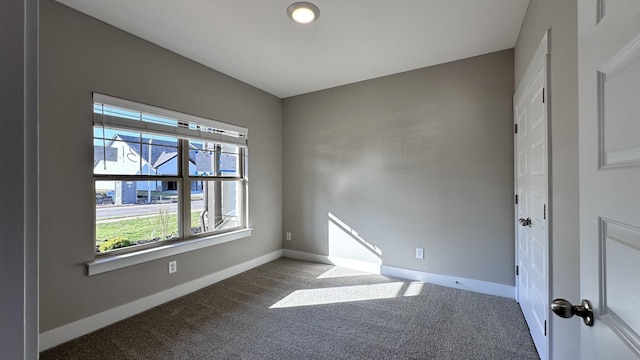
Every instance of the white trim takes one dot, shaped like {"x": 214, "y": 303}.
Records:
{"x": 365, "y": 266}
{"x": 478, "y": 286}
{"x": 301, "y": 255}
{"x": 104, "y": 264}
{"x": 92, "y": 323}
{"x": 334, "y": 260}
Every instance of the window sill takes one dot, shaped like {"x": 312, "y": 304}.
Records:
{"x": 115, "y": 262}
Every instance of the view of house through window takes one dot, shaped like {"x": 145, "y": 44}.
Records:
{"x": 163, "y": 178}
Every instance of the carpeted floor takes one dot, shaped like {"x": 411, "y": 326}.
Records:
{"x": 290, "y": 309}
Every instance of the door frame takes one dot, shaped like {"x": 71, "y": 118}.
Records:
{"x": 541, "y": 57}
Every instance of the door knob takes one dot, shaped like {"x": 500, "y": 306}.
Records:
{"x": 565, "y": 309}
{"x": 525, "y": 222}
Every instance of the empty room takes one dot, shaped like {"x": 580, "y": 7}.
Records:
{"x": 362, "y": 179}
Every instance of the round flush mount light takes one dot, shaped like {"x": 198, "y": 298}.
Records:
{"x": 303, "y": 12}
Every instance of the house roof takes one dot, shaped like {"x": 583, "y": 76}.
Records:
{"x": 163, "y": 158}
{"x": 162, "y": 151}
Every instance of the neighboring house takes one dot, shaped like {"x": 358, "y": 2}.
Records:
{"x": 130, "y": 155}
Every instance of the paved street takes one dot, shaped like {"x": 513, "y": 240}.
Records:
{"x": 110, "y": 211}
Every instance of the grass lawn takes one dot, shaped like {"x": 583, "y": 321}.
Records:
{"x": 146, "y": 228}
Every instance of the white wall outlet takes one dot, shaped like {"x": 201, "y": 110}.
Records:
{"x": 288, "y": 236}
{"x": 419, "y": 253}
{"x": 173, "y": 266}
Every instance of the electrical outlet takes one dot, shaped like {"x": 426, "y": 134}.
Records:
{"x": 173, "y": 266}
{"x": 288, "y": 236}
{"x": 419, "y": 253}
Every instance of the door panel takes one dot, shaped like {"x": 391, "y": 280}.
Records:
{"x": 609, "y": 98}
{"x": 538, "y": 258}
{"x": 532, "y": 188}
{"x": 538, "y": 159}
{"x": 621, "y": 247}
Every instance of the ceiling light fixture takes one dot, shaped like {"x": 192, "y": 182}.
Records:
{"x": 303, "y": 12}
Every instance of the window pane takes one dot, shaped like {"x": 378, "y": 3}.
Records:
{"x": 117, "y": 152}
{"x": 211, "y": 159}
{"x": 130, "y": 213}
{"x": 134, "y": 115}
{"x": 215, "y": 205}
{"x": 115, "y": 111}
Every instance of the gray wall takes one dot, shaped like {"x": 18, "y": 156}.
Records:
{"x": 417, "y": 159}
{"x": 19, "y": 184}
{"x": 79, "y": 55}
{"x": 561, "y": 18}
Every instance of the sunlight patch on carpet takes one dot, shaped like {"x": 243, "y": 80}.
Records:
{"x": 338, "y": 272}
{"x": 414, "y": 288}
{"x": 342, "y": 294}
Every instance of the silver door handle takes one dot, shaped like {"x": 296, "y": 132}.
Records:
{"x": 565, "y": 309}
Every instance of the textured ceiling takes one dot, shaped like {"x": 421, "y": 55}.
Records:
{"x": 353, "y": 40}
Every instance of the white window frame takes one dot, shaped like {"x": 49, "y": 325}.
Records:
{"x": 200, "y": 129}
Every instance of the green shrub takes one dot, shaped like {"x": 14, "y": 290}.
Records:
{"x": 114, "y": 243}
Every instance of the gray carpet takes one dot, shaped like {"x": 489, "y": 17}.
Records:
{"x": 290, "y": 309}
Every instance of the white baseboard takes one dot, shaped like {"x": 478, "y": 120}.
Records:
{"x": 92, "y": 323}
{"x": 455, "y": 282}
{"x": 478, "y": 286}
{"x": 334, "y": 260}
{"x": 305, "y": 256}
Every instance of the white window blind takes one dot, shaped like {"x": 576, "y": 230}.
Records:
{"x": 116, "y": 113}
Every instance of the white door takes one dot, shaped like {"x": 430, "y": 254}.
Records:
{"x": 609, "y": 96}
{"x": 531, "y": 209}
